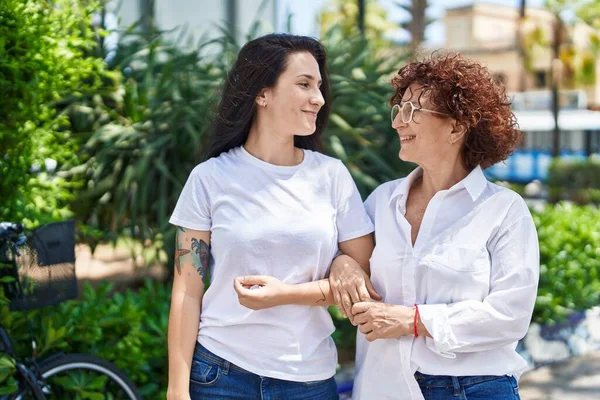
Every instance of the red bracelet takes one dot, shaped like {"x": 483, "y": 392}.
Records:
{"x": 416, "y": 319}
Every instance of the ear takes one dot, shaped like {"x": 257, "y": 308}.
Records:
{"x": 262, "y": 99}
{"x": 457, "y": 133}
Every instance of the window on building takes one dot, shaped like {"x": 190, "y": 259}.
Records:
{"x": 540, "y": 140}
{"x": 595, "y": 142}
{"x": 566, "y": 140}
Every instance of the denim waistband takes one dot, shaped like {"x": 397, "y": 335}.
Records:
{"x": 453, "y": 381}
{"x": 207, "y": 355}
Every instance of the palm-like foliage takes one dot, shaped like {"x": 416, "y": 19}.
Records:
{"x": 359, "y": 131}
{"x": 144, "y": 133}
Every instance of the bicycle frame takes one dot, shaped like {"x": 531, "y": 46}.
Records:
{"x": 25, "y": 376}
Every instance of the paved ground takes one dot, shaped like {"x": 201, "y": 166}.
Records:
{"x": 574, "y": 379}
{"x": 115, "y": 265}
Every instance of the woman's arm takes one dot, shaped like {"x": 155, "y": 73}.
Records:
{"x": 349, "y": 276}
{"x": 191, "y": 263}
{"x": 501, "y": 318}
{"x": 259, "y": 292}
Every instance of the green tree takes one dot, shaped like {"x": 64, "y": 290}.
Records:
{"x": 589, "y": 11}
{"x": 344, "y": 15}
{"x": 43, "y": 47}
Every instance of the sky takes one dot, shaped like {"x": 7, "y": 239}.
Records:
{"x": 304, "y": 15}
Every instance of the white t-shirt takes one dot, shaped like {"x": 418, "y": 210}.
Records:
{"x": 272, "y": 220}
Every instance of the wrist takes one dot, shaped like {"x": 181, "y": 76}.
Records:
{"x": 288, "y": 295}
{"x": 421, "y": 330}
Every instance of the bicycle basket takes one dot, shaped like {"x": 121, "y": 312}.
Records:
{"x": 46, "y": 268}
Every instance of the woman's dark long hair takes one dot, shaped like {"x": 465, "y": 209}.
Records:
{"x": 258, "y": 66}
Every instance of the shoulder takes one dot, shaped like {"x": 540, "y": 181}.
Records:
{"x": 204, "y": 170}
{"x": 507, "y": 204}
{"x": 508, "y": 197}
{"x": 324, "y": 161}
{"x": 385, "y": 190}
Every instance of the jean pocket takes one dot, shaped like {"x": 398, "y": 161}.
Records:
{"x": 203, "y": 372}
{"x": 515, "y": 386}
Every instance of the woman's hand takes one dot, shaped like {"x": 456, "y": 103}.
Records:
{"x": 350, "y": 284}
{"x": 258, "y": 292}
{"x": 382, "y": 320}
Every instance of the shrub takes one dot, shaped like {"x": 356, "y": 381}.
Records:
{"x": 43, "y": 49}
{"x": 578, "y": 180}
{"x": 128, "y": 329}
{"x": 569, "y": 239}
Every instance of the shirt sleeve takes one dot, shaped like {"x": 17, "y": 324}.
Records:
{"x": 192, "y": 210}
{"x": 503, "y": 317}
{"x": 370, "y": 206}
{"x": 352, "y": 220}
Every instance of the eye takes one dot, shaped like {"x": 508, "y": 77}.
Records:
{"x": 305, "y": 85}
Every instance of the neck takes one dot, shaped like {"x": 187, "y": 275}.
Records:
{"x": 271, "y": 147}
{"x": 442, "y": 177}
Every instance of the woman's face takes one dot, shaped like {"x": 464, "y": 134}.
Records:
{"x": 293, "y": 103}
{"x": 424, "y": 139}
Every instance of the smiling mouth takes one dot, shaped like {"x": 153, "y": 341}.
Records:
{"x": 312, "y": 113}
{"x": 406, "y": 138}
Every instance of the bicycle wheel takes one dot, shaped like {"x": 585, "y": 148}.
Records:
{"x": 82, "y": 376}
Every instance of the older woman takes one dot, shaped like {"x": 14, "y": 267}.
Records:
{"x": 456, "y": 257}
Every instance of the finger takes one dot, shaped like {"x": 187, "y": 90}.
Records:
{"x": 239, "y": 288}
{"x": 371, "y": 336}
{"x": 361, "y": 307}
{"x": 251, "y": 280}
{"x": 372, "y": 292}
{"x": 364, "y": 328}
{"x": 333, "y": 282}
{"x": 361, "y": 318}
{"x": 347, "y": 305}
{"x": 363, "y": 293}
{"x": 337, "y": 298}
{"x": 354, "y": 294}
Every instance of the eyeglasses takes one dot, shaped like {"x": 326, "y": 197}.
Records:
{"x": 407, "y": 110}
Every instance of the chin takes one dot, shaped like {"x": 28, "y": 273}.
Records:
{"x": 405, "y": 157}
{"x": 307, "y": 132}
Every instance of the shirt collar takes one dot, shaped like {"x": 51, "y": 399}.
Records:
{"x": 474, "y": 183}
{"x": 404, "y": 186}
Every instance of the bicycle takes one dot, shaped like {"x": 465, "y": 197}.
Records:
{"x": 41, "y": 272}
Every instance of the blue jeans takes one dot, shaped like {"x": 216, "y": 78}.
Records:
{"x": 485, "y": 387}
{"x": 213, "y": 377}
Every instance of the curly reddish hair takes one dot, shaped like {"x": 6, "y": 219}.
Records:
{"x": 465, "y": 90}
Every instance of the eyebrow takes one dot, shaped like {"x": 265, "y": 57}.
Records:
{"x": 309, "y": 77}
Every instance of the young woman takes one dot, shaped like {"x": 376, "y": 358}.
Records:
{"x": 266, "y": 203}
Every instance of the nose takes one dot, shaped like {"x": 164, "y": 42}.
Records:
{"x": 397, "y": 123}
{"x": 317, "y": 99}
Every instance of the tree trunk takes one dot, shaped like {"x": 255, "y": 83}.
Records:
{"x": 361, "y": 17}
{"x": 521, "y": 48}
{"x": 555, "y": 81}
{"x": 417, "y": 24}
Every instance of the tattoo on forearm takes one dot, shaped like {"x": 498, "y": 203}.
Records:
{"x": 322, "y": 293}
{"x": 200, "y": 253}
{"x": 179, "y": 251}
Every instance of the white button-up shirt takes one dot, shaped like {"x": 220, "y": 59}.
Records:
{"x": 473, "y": 272}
